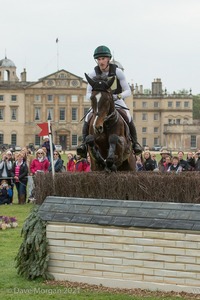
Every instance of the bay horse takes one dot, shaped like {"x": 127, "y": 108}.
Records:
{"x": 109, "y": 144}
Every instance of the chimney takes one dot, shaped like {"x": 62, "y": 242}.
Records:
{"x": 23, "y": 76}
{"x": 157, "y": 87}
{"x": 141, "y": 89}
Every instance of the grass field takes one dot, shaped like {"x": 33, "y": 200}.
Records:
{"x": 13, "y": 286}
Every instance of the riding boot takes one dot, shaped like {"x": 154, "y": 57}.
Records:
{"x": 82, "y": 149}
{"x": 136, "y": 146}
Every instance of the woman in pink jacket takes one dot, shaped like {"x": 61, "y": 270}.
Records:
{"x": 40, "y": 163}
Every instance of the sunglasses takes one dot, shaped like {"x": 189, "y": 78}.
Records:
{"x": 55, "y": 154}
{"x": 40, "y": 153}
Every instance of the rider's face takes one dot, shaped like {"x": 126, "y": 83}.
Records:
{"x": 103, "y": 62}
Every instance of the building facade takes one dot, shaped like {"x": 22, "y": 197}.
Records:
{"x": 165, "y": 119}
{"x": 160, "y": 118}
{"x": 58, "y": 97}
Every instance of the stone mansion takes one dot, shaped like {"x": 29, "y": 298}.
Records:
{"x": 160, "y": 119}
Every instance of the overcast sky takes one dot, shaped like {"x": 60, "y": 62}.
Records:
{"x": 150, "y": 38}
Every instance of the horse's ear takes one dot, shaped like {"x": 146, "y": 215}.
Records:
{"x": 90, "y": 80}
{"x": 110, "y": 81}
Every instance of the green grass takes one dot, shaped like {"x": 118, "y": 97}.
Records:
{"x": 13, "y": 286}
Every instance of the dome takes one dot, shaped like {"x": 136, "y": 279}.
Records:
{"x": 6, "y": 63}
{"x": 113, "y": 61}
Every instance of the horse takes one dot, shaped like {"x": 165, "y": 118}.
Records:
{"x": 108, "y": 142}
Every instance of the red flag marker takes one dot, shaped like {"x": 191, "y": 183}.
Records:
{"x": 45, "y": 129}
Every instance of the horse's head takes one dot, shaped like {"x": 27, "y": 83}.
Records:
{"x": 101, "y": 100}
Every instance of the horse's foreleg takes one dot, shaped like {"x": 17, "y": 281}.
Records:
{"x": 94, "y": 151}
{"x": 113, "y": 140}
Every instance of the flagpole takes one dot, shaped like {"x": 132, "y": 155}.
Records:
{"x": 51, "y": 148}
{"x": 57, "y": 54}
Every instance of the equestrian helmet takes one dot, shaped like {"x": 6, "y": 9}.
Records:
{"x": 102, "y": 51}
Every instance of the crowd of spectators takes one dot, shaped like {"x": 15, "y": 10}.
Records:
{"x": 18, "y": 169}
{"x": 168, "y": 162}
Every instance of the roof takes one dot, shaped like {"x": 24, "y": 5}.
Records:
{"x": 6, "y": 63}
{"x": 121, "y": 213}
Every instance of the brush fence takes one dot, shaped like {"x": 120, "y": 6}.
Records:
{"x": 124, "y": 243}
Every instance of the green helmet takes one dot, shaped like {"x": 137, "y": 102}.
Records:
{"x": 102, "y": 51}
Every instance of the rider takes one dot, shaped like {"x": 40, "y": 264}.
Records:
{"x": 120, "y": 90}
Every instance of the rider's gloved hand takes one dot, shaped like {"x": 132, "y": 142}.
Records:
{"x": 115, "y": 97}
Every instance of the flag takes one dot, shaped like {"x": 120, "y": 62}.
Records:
{"x": 57, "y": 40}
{"x": 45, "y": 129}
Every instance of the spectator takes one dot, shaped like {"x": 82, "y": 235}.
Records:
{"x": 149, "y": 164}
{"x": 163, "y": 154}
{"x": 175, "y": 166}
{"x": 197, "y": 162}
{"x": 81, "y": 164}
{"x": 88, "y": 161}
{"x": 20, "y": 174}
{"x": 153, "y": 157}
{"x": 139, "y": 163}
{"x": 6, "y": 166}
{"x": 46, "y": 144}
{"x": 40, "y": 163}
{"x": 191, "y": 161}
{"x": 183, "y": 163}
{"x": 71, "y": 162}
{"x": 167, "y": 163}
{"x": 5, "y": 193}
{"x": 58, "y": 162}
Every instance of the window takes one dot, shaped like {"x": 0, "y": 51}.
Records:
{"x": 49, "y": 113}
{"x": 156, "y": 141}
{"x": 37, "y": 140}
{"x": 13, "y": 114}
{"x": 178, "y": 121}
{"x": 144, "y": 142}
{"x": 144, "y": 117}
{"x": 156, "y": 104}
{"x": 13, "y": 98}
{"x": 38, "y": 98}
{"x": 144, "y": 129}
{"x": 1, "y": 97}
{"x": 62, "y": 114}
{"x": 134, "y": 117}
{"x": 37, "y": 113}
{"x": 186, "y": 104}
{"x": 178, "y": 104}
{"x": 155, "y": 129}
{"x": 170, "y": 103}
{"x": 170, "y": 121}
{"x": 61, "y": 98}
{"x": 74, "y": 114}
{"x": 50, "y": 98}
{"x": 13, "y": 139}
{"x": 74, "y": 98}
{"x": 1, "y": 138}
{"x": 156, "y": 117}
{"x": 1, "y": 114}
{"x": 193, "y": 141}
{"x": 144, "y": 104}
{"x": 74, "y": 140}
{"x": 134, "y": 104}
{"x": 62, "y": 75}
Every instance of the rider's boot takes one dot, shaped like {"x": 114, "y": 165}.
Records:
{"x": 82, "y": 149}
{"x": 137, "y": 148}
